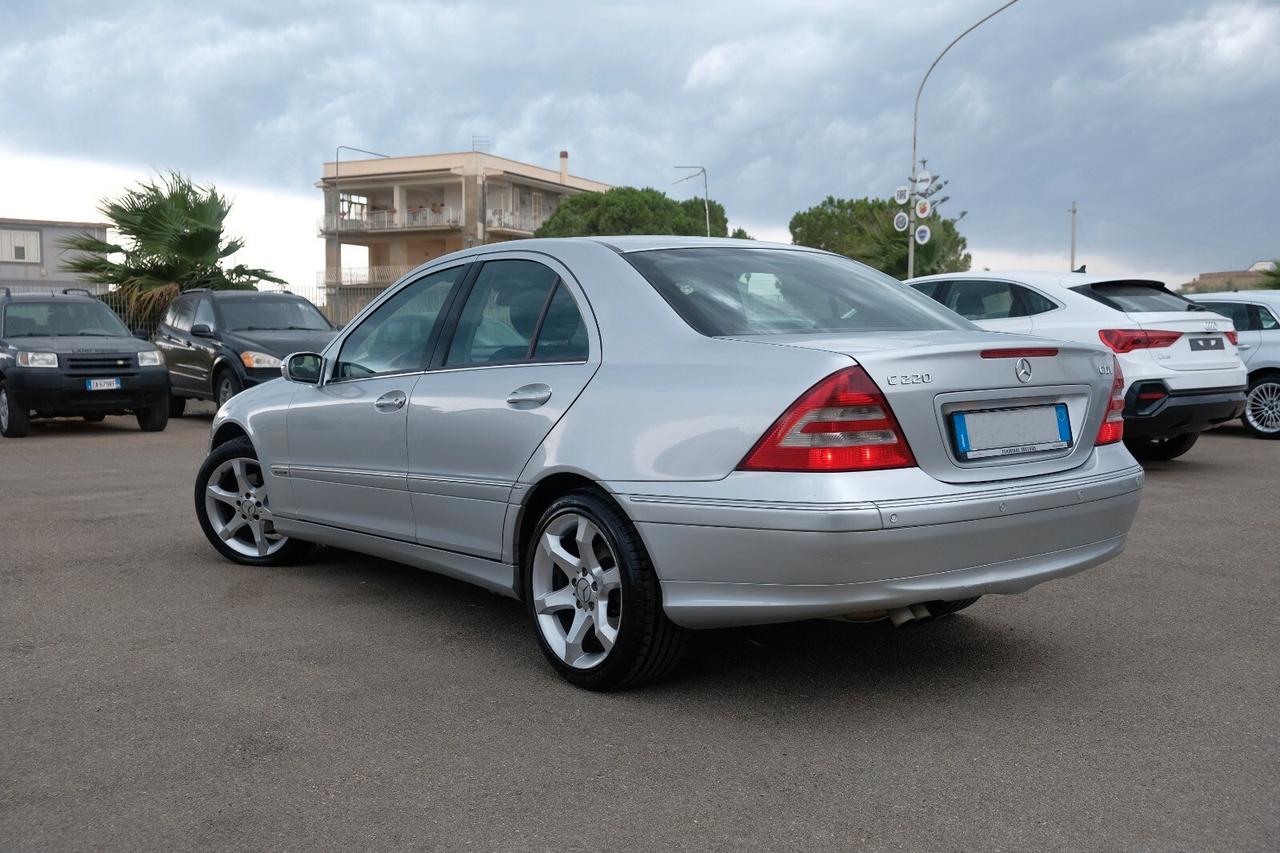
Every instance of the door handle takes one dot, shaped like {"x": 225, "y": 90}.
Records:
{"x": 392, "y": 401}
{"x": 529, "y": 396}
{"x": 1246, "y": 346}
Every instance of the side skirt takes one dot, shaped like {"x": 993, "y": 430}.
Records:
{"x": 488, "y": 574}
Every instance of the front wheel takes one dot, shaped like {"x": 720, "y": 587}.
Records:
{"x": 1262, "y": 407}
{"x": 1161, "y": 448}
{"x": 233, "y": 507}
{"x": 593, "y": 597}
{"x": 15, "y": 420}
{"x": 153, "y": 418}
{"x": 227, "y": 386}
{"x": 177, "y": 405}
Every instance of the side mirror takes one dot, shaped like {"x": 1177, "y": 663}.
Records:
{"x": 141, "y": 334}
{"x": 200, "y": 330}
{"x": 304, "y": 367}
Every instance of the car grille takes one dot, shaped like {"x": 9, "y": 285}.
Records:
{"x": 122, "y": 364}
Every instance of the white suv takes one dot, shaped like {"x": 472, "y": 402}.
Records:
{"x": 1180, "y": 361}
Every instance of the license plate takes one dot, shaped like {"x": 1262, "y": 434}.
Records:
{"x": 101, "y": 384}
{"x": 1201, "y": 344}
{"x": 1010, "y": 432}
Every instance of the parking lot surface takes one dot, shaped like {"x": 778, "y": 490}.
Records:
{"x": 156, "y": 697}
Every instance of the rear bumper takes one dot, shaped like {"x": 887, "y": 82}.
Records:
{"x": 1181, "y": 411}
{"x": 50, "y": 392}
{"x": 719, "y": 567}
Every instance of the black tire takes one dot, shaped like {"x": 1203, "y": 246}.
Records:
{"x": 177, "y": 405}
{"x": 1260, "y": 412}
{"x": 1161, "y": 448}
{"x": 153, "y": 418}
{"x": 15, "y": 419}
{"x": 648, "y": 645}
{"x": 95, "y": 418}
{"x": 240, "y": 448}
{"x": 946, "y": 608}
{"x": 225, "y": 386}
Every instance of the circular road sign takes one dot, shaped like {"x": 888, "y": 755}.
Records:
{"x": 922, "y": 234}
{"x": 901, "y": 221}
{"x": 923, "y": 207}
{"x": 902, "y": 195}
{"x": 923, "y": 179}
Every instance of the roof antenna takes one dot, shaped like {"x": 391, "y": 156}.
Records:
{"x": 1082, "y": 266}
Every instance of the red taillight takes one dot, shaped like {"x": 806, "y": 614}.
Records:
{"x": 1025, "y": 352}
{"x": 841, "y": 424}
{"x": 1128, "y": 340}
{"x": 1234, "y": 337}
{"x": 1112, "y": 429}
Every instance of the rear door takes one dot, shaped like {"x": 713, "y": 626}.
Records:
{"x": 994, "y": 305}
{"x": 1201, "y": 344}
{"x": 520, "y": 351}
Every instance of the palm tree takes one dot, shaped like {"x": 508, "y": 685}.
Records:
{"x": 170, "y": 240}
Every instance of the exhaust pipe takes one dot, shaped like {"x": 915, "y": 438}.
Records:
{"x": 900, "y": 616}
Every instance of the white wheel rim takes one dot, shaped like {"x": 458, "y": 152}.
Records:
{"x": 4, "y": 408}
{"x": 577, "y": 590}
{"x": 1262, "y": 409}
{"x": 235, "y": 499}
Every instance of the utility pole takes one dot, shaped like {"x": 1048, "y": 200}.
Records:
{"x": 706, "y": 205}
{"x": 1073, "y": 212}
{"x": 915, "y": 124}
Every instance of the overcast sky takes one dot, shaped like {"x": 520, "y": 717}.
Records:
{"x": 1160, "y": 117}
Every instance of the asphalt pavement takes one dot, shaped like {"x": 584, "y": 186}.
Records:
{"x": 156, "y": 697}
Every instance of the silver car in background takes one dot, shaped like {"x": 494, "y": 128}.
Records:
{"x": 639, "y": 436}
{"x": 1256, "y": 315}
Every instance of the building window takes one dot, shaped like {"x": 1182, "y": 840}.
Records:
{"x": 20, "y": 246}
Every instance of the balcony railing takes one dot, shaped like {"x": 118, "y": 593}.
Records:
{"x": 382, "y": 220}
{"x": 361, "y": 276}
{"x": 513, "y": 220}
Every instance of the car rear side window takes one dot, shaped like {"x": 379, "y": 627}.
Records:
{"x": 396, "y": 336}
{"x": 1136, "y": 296}
{"x": 562, "y": 335}
{"x": 1237, "y": 312}
{"x": 742, "y": 291}
{"x": 501, "y": 314}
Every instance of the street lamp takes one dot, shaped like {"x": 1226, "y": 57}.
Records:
{"x": 915, "y": 123}
{"x": 706, "y": 205}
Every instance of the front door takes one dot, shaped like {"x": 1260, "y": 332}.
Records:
{"x": 520, "y": 353}
{"x": 173, "y": 339}
{"x": 347, "y": 436}
{"x": 203, "y": 349}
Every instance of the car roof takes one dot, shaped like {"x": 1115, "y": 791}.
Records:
{"x": 49, "y": 297}
{"x": 1270, "y": 297}
{"x": 244, "y": 294}
{"x": 1038, "y": 278}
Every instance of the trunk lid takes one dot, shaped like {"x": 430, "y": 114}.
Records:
{"x": 928, "y": 377}
{"x": 1202, "y": 345}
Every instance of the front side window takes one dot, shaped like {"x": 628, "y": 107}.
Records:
{"x": 183, "y": 311}
{"x": 395, "y": 338}
{"x": 737, "y": 291}
{"x": 204, "y": 314}
{"x": 1266, "y": 319}
{"x": 256, "y": 314}
{"x": 501, "y": 314}
{"x": 61, "y": 319}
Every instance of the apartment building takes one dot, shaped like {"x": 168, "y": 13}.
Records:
{"x": 30, "y": 257}
{"x": 407, "y": 210}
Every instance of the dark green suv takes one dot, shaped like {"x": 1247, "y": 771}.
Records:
{"x": 68, "y": 355}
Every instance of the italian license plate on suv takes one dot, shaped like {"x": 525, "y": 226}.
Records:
{"x": 1010, "y": 432}
{"x": 102, "y": 384}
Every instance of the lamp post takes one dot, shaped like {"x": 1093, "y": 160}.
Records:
{"x": 915, "y": 124}
{"x": 706, "y": 205}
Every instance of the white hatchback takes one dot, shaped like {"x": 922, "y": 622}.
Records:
{"x": 1181, "y": 363}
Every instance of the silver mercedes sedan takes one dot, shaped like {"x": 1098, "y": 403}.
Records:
{"x": 640, "y": 436}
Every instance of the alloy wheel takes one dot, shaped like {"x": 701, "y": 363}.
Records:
{"x": 239, "y": 511}
{"x": 225, "y": 392}
{"x": 577, "y": 590}
{"x": 4, "y": 409}
{"x": 1262, "y": 409}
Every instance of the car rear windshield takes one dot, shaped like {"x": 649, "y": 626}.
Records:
{"x": 741, "y": 291}
{"x": 61, "y": 319}
{"x": 260, "y": 315}
{"x": 1137, "y": 296}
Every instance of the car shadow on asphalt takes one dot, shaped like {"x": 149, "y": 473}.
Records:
{"x": 818, "y": 657}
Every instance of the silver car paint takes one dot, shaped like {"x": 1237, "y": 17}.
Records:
{"x": 661, "y": 416}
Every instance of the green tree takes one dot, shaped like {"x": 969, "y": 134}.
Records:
{"x": 628, "y": 210}
{"x": 1271, "y": 278}
{"x": 862, "y": 229}
{"x": 740, "y": 233}
{"x": 170, "y": 240}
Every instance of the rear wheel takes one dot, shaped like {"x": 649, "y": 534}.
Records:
{"x": 177, "y": 405}
{"x": 226, "y": 386}
{"x": 153, "y": 418}
{"x": 1262, "y": 407}
{"x": 15, "y": 420}
{"x": 1161, "y": 448}
{"x": 233, "y": 506}
{"x": 593, "y": 597}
